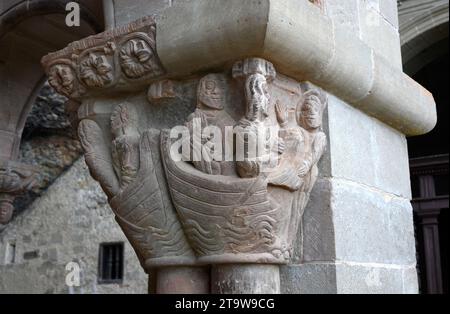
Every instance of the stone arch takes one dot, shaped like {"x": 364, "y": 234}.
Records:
{"x": 16, "y": 35}
{"x": 22, "y": 10}
{"x": 423, "y": 32}
{"x": 28, "y": 31}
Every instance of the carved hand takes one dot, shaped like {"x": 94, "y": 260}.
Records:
{"x": 142, "y": 207}
{"x": 282, "y": 113}
{"x": 98, "y": 156}
{"x": 304, "y": 168}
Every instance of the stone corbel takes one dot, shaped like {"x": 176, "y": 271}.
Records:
{"x": 15, "y": 178}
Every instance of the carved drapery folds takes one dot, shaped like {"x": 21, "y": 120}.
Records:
{"x": 15, "y": 178}
{"x": 223, "y": 201}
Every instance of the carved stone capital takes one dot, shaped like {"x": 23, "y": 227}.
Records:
{"x": 211, "y": 204}
{"x": 15, "y": 178}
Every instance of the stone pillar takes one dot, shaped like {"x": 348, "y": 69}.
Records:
{"x": 326, "y": 195}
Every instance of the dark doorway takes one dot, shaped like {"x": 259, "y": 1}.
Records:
{"x": 429, "y": 160}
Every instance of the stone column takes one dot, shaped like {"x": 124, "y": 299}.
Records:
{"x": 245, "y": 279}
{"x": 430, "y": 228}
{"x": 327, "y": 192}
{"x": 181, "y": 280}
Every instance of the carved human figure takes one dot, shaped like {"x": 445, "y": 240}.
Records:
{"x": 211, "y": 100}
{"x": 254, "y": 130}
{"x": 61, "y": 78}
{"x": 125, "y": 145}
{"x": 130, "y": 172}
{"x": 286, "y": 174}
{"x": 305, "y": 140}
{"x": 310, "y": 118}
{"x": 6, "y": 208}
{"x": 305, "y": 144}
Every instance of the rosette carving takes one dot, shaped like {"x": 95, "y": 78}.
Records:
{"x": 138, "y": 59}
{"x": 96, "y": 70}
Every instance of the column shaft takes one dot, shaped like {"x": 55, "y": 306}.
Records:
{"x": 179, "y": 280}
{"x": 245, "y": 279}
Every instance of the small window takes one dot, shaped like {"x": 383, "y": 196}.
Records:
{"x": 110, "y": 263}
{"x": 10, "y": 253}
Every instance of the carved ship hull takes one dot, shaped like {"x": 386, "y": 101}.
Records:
{"x": 226, "y": 219}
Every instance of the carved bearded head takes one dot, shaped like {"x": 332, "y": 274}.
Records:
{"x": 257, "y": 96}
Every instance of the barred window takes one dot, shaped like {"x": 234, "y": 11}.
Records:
{"x": 110, "y": 263}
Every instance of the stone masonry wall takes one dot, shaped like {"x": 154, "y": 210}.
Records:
{"x": 67, "y": 223}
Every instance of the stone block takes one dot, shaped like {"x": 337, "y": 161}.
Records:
{"x": 311, "y": 278}
{"x": 358, "y": 62}
{"x": 367, "y": 151}
{"x": 410, "y": 281}
{"x": 345, "y": 14}
{"x": 366, "y": 279}
{"x": 380, "y": 34}
{"x": 388, "y": 9}
{"x": 343, "y": 278}
{"x": 391, "y": 160}
{"x": 371, "y": 226}
{"x": 350, "y": 149}
{"x": 315, "y": 239}
{"x": 129, "y": 11}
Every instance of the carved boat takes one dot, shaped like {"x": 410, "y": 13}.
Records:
{"x": 226, "y": 219}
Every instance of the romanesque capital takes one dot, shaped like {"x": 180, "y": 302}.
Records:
{"x": 228, "y": 183}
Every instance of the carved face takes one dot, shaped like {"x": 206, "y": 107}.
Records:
{"x": 95, "y": 71}
{"x": 6, "y": 210}
{"x": 211, "y": 92}
{"x": 311, "y": 113}
{"x": 61, "y": 78}
{"x": 257, "y": 95}
{"x": 136, "y": 58}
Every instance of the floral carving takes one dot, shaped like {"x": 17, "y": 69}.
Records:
{"x": 95, "y": 70}
{"x": 125, "y": 56}
{"x": 137, "y": 59}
